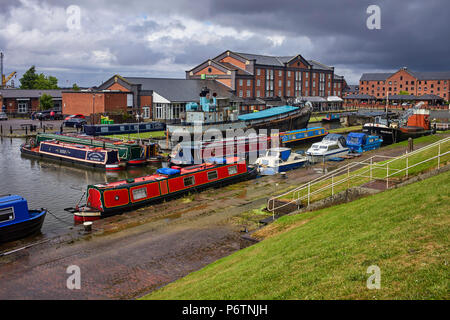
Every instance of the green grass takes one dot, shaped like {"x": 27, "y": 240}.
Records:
{"x": 346, "y": 129}
{"x": 143, "y": 135}
{"x": 325, "y": 254}
{"x": 362, "y": 175}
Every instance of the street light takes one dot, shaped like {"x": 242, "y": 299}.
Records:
{"x": 93, "y": 108}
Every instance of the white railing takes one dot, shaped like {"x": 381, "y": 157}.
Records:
{"x": 357, "y": 169}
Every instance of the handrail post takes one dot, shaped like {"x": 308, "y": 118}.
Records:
{"x": 332, "y": 185}
{"x": 309, "y": 190}
{"x": 387, "y": 176}
{"x": 348, "y": 177}
{"x": 439, "y": 155}
{"x": 370, "y": 168}
{"x": 407, "y": 165}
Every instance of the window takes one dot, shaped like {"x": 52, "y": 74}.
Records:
{"x": 288, "y": 73}
{"x": 241, "y": 82}
{"x": 258, "y": 72}
{"x": 140, "y": 193}
{"x": 248, "y": 83}
{"x": 258, "y": 82}
{"x": 241, "y": 94}
{"x": 289, "y": 83}
{"x": 269, "y": 83}
{"x": 279, "y": 93}
{"x": 232, "y": 170}
{"x": 248, "y": 93}
{"x": 280, "y": 73}
{"x": 314, "y": 75}
{"x": 298, "y": 84}
{"x": 189, "y": 181}
{"x": 22, "y": 107}
{"x": 258, "y": 93}
{"x": 212, "y": 175}
{"x": 280, "y": 83}
{"x": 6, "y": 214}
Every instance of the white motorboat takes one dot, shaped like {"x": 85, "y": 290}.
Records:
{"x": 279, "y": 160}
{"x": 332, "y": 146}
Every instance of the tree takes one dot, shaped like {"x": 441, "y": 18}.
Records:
{"x": 45, "y": 102}
{"x": 32, "y": 80}
{"x": 75, "y": 87}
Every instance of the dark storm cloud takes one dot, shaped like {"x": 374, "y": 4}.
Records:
{"x": 143, "y": 37}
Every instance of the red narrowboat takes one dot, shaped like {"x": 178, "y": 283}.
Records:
{"x": 116, "y": 197}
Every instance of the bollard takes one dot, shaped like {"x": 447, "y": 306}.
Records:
{"x": 44, "y": 129}
{"x": 26, "y": 130}
{"x": 87, "y": 226}
{"x": 1, "y": 129}
{"x": 10, "y": 129}
{"x": 61, "y": 128}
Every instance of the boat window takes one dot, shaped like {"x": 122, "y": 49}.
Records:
{"x": 6, "y": 214}
{"x": 212, "y": 175}
{"x": 140, "y": 193}
{"x": 232, "y": 170}
{"x": 189, "y": 181}
{"x": 354, "y": 140}
{"x": 323, "y": 147}
{"x": 333, "y": 147}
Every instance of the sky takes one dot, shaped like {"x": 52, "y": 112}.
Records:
{"x": 86, "y": 42}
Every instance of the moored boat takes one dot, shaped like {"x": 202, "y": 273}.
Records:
{"x": 248, "y": 147}
{"x": 279, "y": 160}
{"x": 116, "y": 197}
{"x": 122, "y": 128}
{"x": 414, "y": 123}
{"x": 302, "y": 135}
{"x": 16, "y": 220}
{"x": 361, "y": 142}
{"x": 71, "y": 153}
{"x": 332, "y": 146}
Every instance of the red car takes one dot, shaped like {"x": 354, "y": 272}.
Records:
{"x": 80, "y": 116}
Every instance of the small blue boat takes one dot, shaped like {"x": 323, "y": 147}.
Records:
{"x": 302, "y": 135}
{"x": 361, "y": 142}
{"x": 16, "y": 221}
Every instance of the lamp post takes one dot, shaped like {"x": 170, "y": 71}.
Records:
{"x": 93, "y": 108}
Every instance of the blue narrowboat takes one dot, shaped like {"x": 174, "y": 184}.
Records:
{"x": 16, "y": 221}
{"x": 301, "y": 135}
{"x": 360, "y": 142}
{"x": 330, "y": 117}
{"x": 71, "y": 153}
{"x": 122, "y": 128}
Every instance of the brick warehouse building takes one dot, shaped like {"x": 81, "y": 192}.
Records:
{"x": 247, "y": 82}
{"x": 252, "y": 76}
{"x": 26, "y": 101}
{"x": 415, "y": 83}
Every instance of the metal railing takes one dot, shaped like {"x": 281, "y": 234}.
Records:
{"x": 366, "y": 171}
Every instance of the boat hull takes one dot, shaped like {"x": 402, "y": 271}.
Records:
{"x": 109, "y": 167}
{"x": 22, "y": 229}
{"x": 314, "y": 158}
{"x": 265, "y": 171}
{"x": 90, "y": 214}
{"x": 393, "y": 135}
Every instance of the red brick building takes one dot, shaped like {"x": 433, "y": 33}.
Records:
{"x": 92, "y": 102}
{"x": 404, "y": 80}
{"x": 252, "y": 76}
{"x": 26, "y": 101}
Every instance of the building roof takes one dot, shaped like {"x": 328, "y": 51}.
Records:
{"x": 360, "y": 96}
{"x": 25, "y": 94}
{"x": 432, "y": 75}
{"x": 314, "y": 99}
{"x": 351, "y": 88}
{"x": 180, "y": 90}
{"x": 375, "y": 76}
{"x": 320, "y": 66}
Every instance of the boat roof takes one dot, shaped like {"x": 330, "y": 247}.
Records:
{"x": 160, "y": 175}
{"x": 10, "y": 198}
{"x": 302, "y": 130}
{"x": 356, "y": 134}
{"x": 267, "y": 113}
{"x": 279, "y": 149}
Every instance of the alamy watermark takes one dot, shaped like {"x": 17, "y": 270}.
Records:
{"x": 373, "y": 22}
{"x": 74, "y": 280}
{"x": 374, "y": 280}
{"x": 73, "y": 21}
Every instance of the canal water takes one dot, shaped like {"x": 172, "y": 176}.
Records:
{"x": 51, "y": 185}
{"x": 55, "y": 186}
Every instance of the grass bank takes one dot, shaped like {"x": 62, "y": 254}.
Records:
{"x": 325, "y": 254}
{"x": 142, "y": 135}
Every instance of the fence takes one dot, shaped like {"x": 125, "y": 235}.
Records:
{"x": 358, "y": 173}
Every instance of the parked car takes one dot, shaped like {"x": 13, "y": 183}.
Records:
{"x": 75, "y": 116}
{"x": 48, "y": 115}
{"x": 75, "y": 122}
{"x": 405, "y": 104}
{"x": 3, "y": 116}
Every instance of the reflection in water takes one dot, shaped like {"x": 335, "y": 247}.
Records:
{"x": 50, "y": 184}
